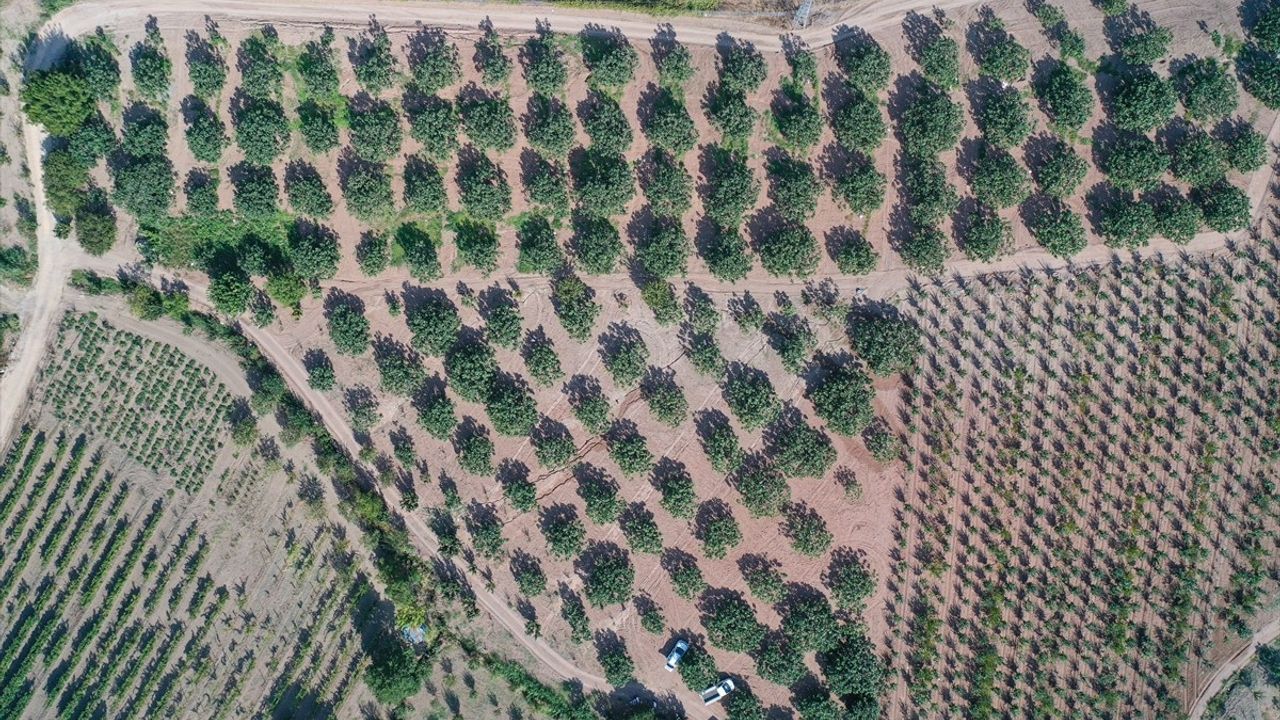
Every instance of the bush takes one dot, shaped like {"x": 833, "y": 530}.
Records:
{"x": 843, "y": 398}
{"x": 1144, "y": 48}
{"x": 629, "y": 451}
{"x": 764, "y": 490}
{"x": 375, "y": 130}
{"x": 940, "y": 62}
{"x": 539, "y": 250}
{"x": 501, "y": 319}
{"x": 668, "y": 124}
{"x": 807, "y": 531}
{"x": 791, "y": 251}
{"x": 856, "y": 256}
{"x": 800, "y": 451}
{"x": 1260, "y": 76}
{"x": 596, "y": 243}
{"x": 797, "y": 118}
{"x": 795, "y": 188}
{"x": 59, "y": 99}
{"x": 65, "y": 178}
{"x": 96, "y": 139}
{"x": 318, "y": 127}
{"x": 887, "y": 342}
{"x": 665, "y": 399}
{"x": 483, "y": 189}
{"x": 96, "y": 57}
{"x": 641, "y": 531}
{"x": 1061, "y": 172}
{"x": 1134, "y": 162}
{"x": 751, "y": 397}
{"x": 603, "y": 182}
{"x": 1005, "y": 59}
{"x": 471, "y": 367}
{"x": 145, "y": 187}
{"x": 394, "y": 673}
{"x": 1208, "y": 92}
{"x": 731, "y": 188}
{"x": 732, "y": 625}
{"x": 625, "y": 356}
{"x": 930, "y": 196}
{"x": 1128, "y": 223}
{"x": 664, "y": 251}
{"x": 261, "y": 130}
{"x": 367, "y": 189}
{"x": 549, "y": 126}
{"x": 742, "y": 69}
{"x": 545, "y": 185}
{"x": 477, "y": 244}
{"x": 434, "y": 123}
{"x": 260, "y": 73}
{"x": 668, "y": 187}
{"x": 606, "y": 124}
{"x": 493, "y": 63}
{"x": 851, "y": 582}
{"x": 423, "y": 187}
{"x": 618, "y": 668}
{"x": 152, "y": 69}
{"x": 610, "y": 58}
{"x": 317, "y": 68}
{"x": 999, "y": 180}
{"x": 95, "y": 224}
{"x": 373, "y": 253}
{"x": 1225, "y": 207}
{"x": 931, "y": 123}
{"x": 725, "y": 253}
{"x": 575, "y": 306}
{"x": 435, "y": 63}
{"x": 436, "y": 416}
{"x": 853, "y": 667}
{"x": 320, "y": 375}
{"x": 1266, "y": 30}
{"x": 475, "y": 453}
{"x": 862, "y": 189}
{"x": 307, "y": 192}
{"x": 987, "y": 237}
{"x": 678, "y": 496}
{"x": 1247, "y": 150}
{"x": 675, "y": 65}
{"x": 564, "y": 532}
{"x": 206, "y": 135}
{"x": 349, "y": 329}
{"x": 372, "y": 60}
{"x": 1143, "y": 101}
{"x": 488, "y": 121}
{"x": 1065, "y": 98}
{"x": 511, "y": 407}
{"x": 809, "y": 623}
{"x": 434, "y": 324}
{"x": 1199, "y": 160}
{"x": 610, "y": 576}
{"x": 313, "y": 250}
{"x": 859, "y": 123}
{"x": 553, "y": 449}
{"x": 1178, "y": 219}
{"x": 1004, "y": 119}
{"x": 729, "y": 113}
{"x": 1059, "y": 230}
{"x": 544, "y": 68}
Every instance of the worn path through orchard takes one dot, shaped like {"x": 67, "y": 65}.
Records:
{"x": 41, "y": 305}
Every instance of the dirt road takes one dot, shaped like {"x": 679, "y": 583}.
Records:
{"x": 1265, "y": 634}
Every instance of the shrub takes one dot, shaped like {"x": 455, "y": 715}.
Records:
{"x": 999, "y": 180}
{"x": 1143, "y": 101}
{"x": 423, "y": 187}
{"x": 1064, "y": 97}
{"x": 1061, "y": 172}
{"x": 887, "y": 342}
{"x": 732, "y": 625}
{"x": 544, "y": 69}
{"x": 1199, "y": 160}
{"x": 260, "y": 73}
{"x": 483, "y": 188}
{"x": 866, "y": 64}
{"x": 641, "y": 531}
{"x": 367, "y": 190}
{"x": 987, "y": 237}
{"x": 742, "y": 68}
{"x": 261, "y": 130}
{"x": 1059, "y": 230}
{"x": 751, "y": 397}
{"x": 349, "y": 329}
{"x": 931, "y": 123}
{"x": 313, "y": 250}
{"x": 729, "y": 113}
{"x": 852, "y": 667}
{"x": 660, "y": 296}
{"x": 862, "y": 188}
{"x": 549, "y": 126}
{"x": 1266, "y": 30}
{"x": 610, "y": 58}
{"x": 666, "y": 400}
{"x": 434, "y": 324}
{"x": 471, "y": 367}
{"x": 436, "y": 416}
{"x": 528, "y": 573}
{"x": 687, "y": 581}
{"x": 372, "y": 61}
{"x": 491, "y": 61}
{"x": 318, "y": 127}
{"x": 678, "y": 496}
{"x": 1178, "y": 219}
{"x": 809, "y": 623}
{"x": 477, "y": 245}
{"x": 539, "y": 250}
{"x": 808, "y": 532}
{"x": 511, "y": 407}
{"x": 596, "y": 243}
{"x": 1260, "y": 76}
{"x": 95, "y": 224}
{"x": 399, "y": 369}
{"x": 625, "y": 355}
{"x": 95, "y": 139}
{"x": 629, "y": 451}
{"x": 256, "y": 191}
{"x": 320, "y": 375}
{"x": 859, "y": 123}
{"x": 59, "y": 99}
{"x": 940, "y": 62}
{"x": 1146, "y": 47}
{"x": 419, "y": 249}
{"x": 475, "y": 452}
{"x": 1004, "y": 119}
{"x": 800, "y": 451}
{"x": 229, "y": 291}
{"x": 668, "y": 124}
{"x": 502, "y": 318}
{"x": 731, "y": 188}
{"x": 797, "y": 118}
{"x": 668, "y": 187}
{"x": 1127, "y": 223}
{"x": 1225, "y": 207}
{"x": 795, "y": 188}
{"x": 791, "y": 251}
{"x": 610, "y": 576}
{"x": 851, "y": 582}
{"x": 545, "y": 185}
{"x": 664, "y": 251}
{"x": 575, "y": 306}
{"x": 144, "y": 187}
{"x": 1134, "y": 162}
{"x": 434, "y": 123}
{"x": 1208, "y": 92}
{"x": 543, "y": 363}
{"x": 726, "y": 254}
{"x": 843, "y": 397}
{"x": 565, "y": 534}
{"x": 603, "y": 182}
{"x": 435, "y": 63}
{"x": 206, "y": 135}
{"x": 96, "y": 57}
{"x": 764, "y": 490}
{"x": 488, "y": 121}
{"x": 307, "y": 192}
{"x": 930, "y": 196}
{"x": 317, "y": 68}
{"x": 606, "y": 124}
{"x": 1247, "y": 150}
{"x": 65, "y": 178}
{"x": 375, "y": 130}
{"x": 373, "y": 253}
{"x": 554, "y": 449}
{"x": 618, "y": 667}
{"x": 152, "y": 69}
{"x": 675, "y": 65}
{"x": 1005, "y": 59}
{"x": 856, "y": 256}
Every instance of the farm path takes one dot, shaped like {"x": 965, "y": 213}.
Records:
{"x": 1226, "y": 670}
{"x": 57, "y": 257}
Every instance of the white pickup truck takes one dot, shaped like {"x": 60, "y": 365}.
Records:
{"x": 714, "y": 693}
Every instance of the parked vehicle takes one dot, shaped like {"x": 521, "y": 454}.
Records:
{"x": 677, "y": 651}
{"x": 714, "y": 693}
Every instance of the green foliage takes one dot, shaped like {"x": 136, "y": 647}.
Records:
{"x": 668, "y": 187}
{"x": 1143, "y": 101}
{"x": 1062, "y": 170}
{"x": 544, "y": 68}
{"x": 65, "y": 178}
{"x": 59, "y": 99}
{"x": 1065, "y": 97}
{"x": 96, "y": 57}
{"x": 435, "y": 63}
{"x": 817, "y": 705}
{"x": 261, "y": 130}
{"x": 866, "y": 64}
{"x": 313, "y": 250}
{"x": 625, "y": 356}
{"x": 651, "y": 620}
{"x": 668, "y": 124}
{"x": 152, "y": 69}
{"x": 367, "y": 190}
{"x": 853, "y": 667}
{"x": 610, "y": 576}
{"x": 603, "y": 182}
{"x": 488, "y": 121}
{"x": 843, "y": 397}
{"x": 790, "y": 251}
{"x": 543, "y": 362}
{"x": 145, "y": 186}
{"x": 539, "y": 250}
{"x": 434, "y": 323}
{"x": 528, "y": 573}
{"x": 1266, "y": 30}
{"x": 726, "y": 254}
{"x": 549, "y": 126}
{"x": 349, "y": 329}
{"x": 678, "y": 496}
{"x": 1208, "y": 91}
{"x": 146, "y": 134}
{"x": 660, "y": 296}
{"x": 795, "y": 188}
{"x": 618, "y": 668}
{"x": 95, "y": 139}
{"x": 502, "y": 319}
{"x": 471, "y": 367}
{"x": 751, "y": 397}
{"x": 434, "y": 123}
{"x": 318, "y": 127}
{"x": 375, "y": 130}
{"x": 394, "y": 672}
{"x": 809, "y": 623}
{"x": 801, "y": 451}
{"x": 511, "y": 407}
{"x": 629, "y": 451}
{"x": 886, "y": 341}
{"x": 373, "y": 253}
{"x": 729, "y": 113}
{"x": 477, "y": 244}
{"x": 229, "y": 291}
{"x": 260, "y": 73}
{"x": 606, "y": 124}
{"x": 931, "y": 123}
{"x": 851, "y": 582}
{"x": 95, "y": 224}
{"x": 475, "y": 452}
{"x": 859, "y": 124}
{"x": 1004, "y": 119}
{"x": 856, "y": 256}
{"x": 316, "y": 66}
{"x": 400, "y": 370}
{"x": 206, "y": 134}
{"x": 1000, "y": 180}
{"x": 423, "y": 187}
{"x": 596, "y": 243}
{"x": 862, "y": 188}
{"x": 940, "y": 62}
{"x": 764, "y": 489}
{"x": 732, "y": 625}
{"x": 1128, "y": 223}
{"x": 664, "y": 250}
{"x": 1247, "y": 150}
{"x": 807, "y": 531}
{"x": 1199, "y": 160}
{"x": 1005, "y": 59}
{"x": 575, "y": 306}
{"x": 565, "y": 534}
{"x": 372, "y": 60}
{"x": 1134, "y": 162}
{"x": 1225, "y": 207}
{"x": 545, "y": 185}
{"x": 731, "y": 188}
{"x": 687, "y": 581}
{"x": 1059, "y": 230}
{"x": 610, "y": 58}
{"x": 930, "y": 196}
{"x": 320, "y": 375}
{"x": 665, "y": 399}
{"x": 1260, "y": 76}
{"x": 797, "y": 119}
{"x": 436, "y": 416}
{"x": 641, "y": 531}
{"x": 307, "y": 192}
{"x": 675, "y": 65}
{"x": 742, "y": 68}
{"x": 494, "y": 65}
{"x": 1178, "y": 219}
{"x": 554, "y": 449}
{"x": 987, "y": 237}
{"x": 1147, "y": 46}
{"x": 483, "y": 188}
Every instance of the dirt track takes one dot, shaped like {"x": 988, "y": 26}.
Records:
{"x": 41, "y": 306}
{"x": 1265, "y": 634}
